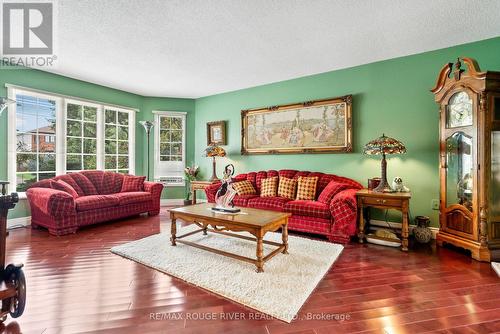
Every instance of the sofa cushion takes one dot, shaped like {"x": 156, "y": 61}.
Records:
{"x": 133, "y": 183}
{"x": 133, "y": 197}
{"x": 306, "y": 188}
{"x": 287, "y": 188}
{"x": 244, "y": 187}
{"x": 332, "y": 189}
{"x": 242, "y": 200}
{"x": 93, "y": 202}
{"x": 111, "y": 183}
{"x": 105, "y": 182}
{"x": 308, "y": 208}
{"x": 84, "y": 183}
{"x": 63, "y": 186}
{"x": 69, "y": 180}
{"x": 269, "y": 187}
{"x": 268, "y": 203}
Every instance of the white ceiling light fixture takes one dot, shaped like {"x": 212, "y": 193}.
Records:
{"x": 4, "y": 102}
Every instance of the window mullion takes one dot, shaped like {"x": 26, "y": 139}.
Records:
{"x": 61, "y": 131}
{"x": 100, "y": 137}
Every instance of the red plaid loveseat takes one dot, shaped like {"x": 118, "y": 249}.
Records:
{"x": 336, "y": 219}
{"x": 96, "y": 198}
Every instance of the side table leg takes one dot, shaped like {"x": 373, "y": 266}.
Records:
{"x": 193, "y": 191}
{"x": 361, "y": 232}
{"x": 173, "y": 232}
{"x": 260, "y": 255}
{"x": 284, "y": 237}
{"x": 404, "y": 230}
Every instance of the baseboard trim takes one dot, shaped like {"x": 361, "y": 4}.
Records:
{"x": 177, "y": 201}
{"x": 18, "y": 222}
{"x": 171, "y": 201}
{"x": 379, "y": 224}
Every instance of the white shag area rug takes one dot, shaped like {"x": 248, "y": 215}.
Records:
{"x": 496, "y": 267}
{"x": 280, "y": 291}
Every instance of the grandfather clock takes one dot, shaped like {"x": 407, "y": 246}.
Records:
{"x": 469, "y": 102}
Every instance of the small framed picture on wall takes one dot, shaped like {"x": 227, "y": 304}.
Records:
{"x": 216, "y": 133}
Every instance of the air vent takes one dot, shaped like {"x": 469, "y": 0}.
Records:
{"x": 171, "y": 180}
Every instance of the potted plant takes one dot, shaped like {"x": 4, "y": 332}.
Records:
{"x": 190, "y": 174}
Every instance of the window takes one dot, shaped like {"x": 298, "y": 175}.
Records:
{"x": 35, "y": 156}
{"x": 170, "y": 146}
{"x": 51, "y": 135}
{"x": 116, "y": 140}
{"x": 81, "y": 137}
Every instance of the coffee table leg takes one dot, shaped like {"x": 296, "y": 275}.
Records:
{"x": 173, "y": 231}
{"x": 284, "y": 237}
{"x": 205, "y": 228}
{"x": 260, "y": 255}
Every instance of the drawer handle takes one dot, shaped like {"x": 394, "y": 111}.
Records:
{"x": 381, "y": 201}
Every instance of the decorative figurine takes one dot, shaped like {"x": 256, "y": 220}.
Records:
{"x": 13, "y": 292}
{"x": 398, "y": 186}
{"x": 226, "y": 193}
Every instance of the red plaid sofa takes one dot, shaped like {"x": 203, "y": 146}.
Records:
{"x": 98, "y": 199}
{"x": 336, "y": 220}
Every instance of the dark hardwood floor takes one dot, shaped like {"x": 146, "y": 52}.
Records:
{"x": 76, "y": 285}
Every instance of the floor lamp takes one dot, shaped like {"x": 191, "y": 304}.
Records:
{"x": 148, "y": 126}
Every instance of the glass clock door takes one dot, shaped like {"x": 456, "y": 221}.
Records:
{"x": 459, "y": 175}
{"x": 460, "y": 165}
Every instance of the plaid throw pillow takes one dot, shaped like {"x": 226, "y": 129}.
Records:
{"x": 133, "y": 183}
{"x": 268, "y": 187}
{"x": 244, "y": 188}
{"x": 307, "y": 187}
{"x": 63, "y": 186}
{"x": 287, "y": 188}
{"x": 332, "y": 189}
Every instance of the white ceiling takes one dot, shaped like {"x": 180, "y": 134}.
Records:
{"x": 194, "y": 48}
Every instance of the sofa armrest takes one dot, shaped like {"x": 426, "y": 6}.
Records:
{"x": 154, "y": 188}
{"x": 52, "y": 202}
{"x": 211, "y": 191}
{"x": 344, "y": 211}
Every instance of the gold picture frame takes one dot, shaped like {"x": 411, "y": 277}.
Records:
{"x": 216, "y": 133}
{"x": 320, "y": 126}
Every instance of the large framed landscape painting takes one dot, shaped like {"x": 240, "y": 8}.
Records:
{"x": 321, "y": 126}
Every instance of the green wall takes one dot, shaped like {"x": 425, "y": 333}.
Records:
{"x": 390, "y": 97}
{"x": 63, "y": 85}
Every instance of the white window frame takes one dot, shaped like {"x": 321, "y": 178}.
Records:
{"x": 61, "y": 104}
{"x": 162, "y": 171}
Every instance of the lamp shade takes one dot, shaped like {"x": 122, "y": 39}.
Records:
{"x": 148, "y": 125}
{"x": 215, "y": 151}
{"x": 384, "y": 145}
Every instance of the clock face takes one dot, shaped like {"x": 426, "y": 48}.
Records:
{"x": 459, "y": 111}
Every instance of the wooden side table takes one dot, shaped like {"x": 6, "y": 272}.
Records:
{"x": 198, "y": 185}
{"x": 397, "y": 201}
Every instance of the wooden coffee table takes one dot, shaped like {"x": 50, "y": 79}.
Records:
{"x": 254, "y": 221}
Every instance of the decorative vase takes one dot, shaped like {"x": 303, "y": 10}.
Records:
{"x": 422, "y": 232}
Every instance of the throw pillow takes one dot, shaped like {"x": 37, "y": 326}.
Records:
{"x": 133, "y": 183}
{"x": 269, "y": 186}
{"x": 331, "y": 189}
{"x": 287, "y": 188}
{"x": 306, "y": 189}
{"x": 63, "y": 186}
{"x": 244, "y": 188}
